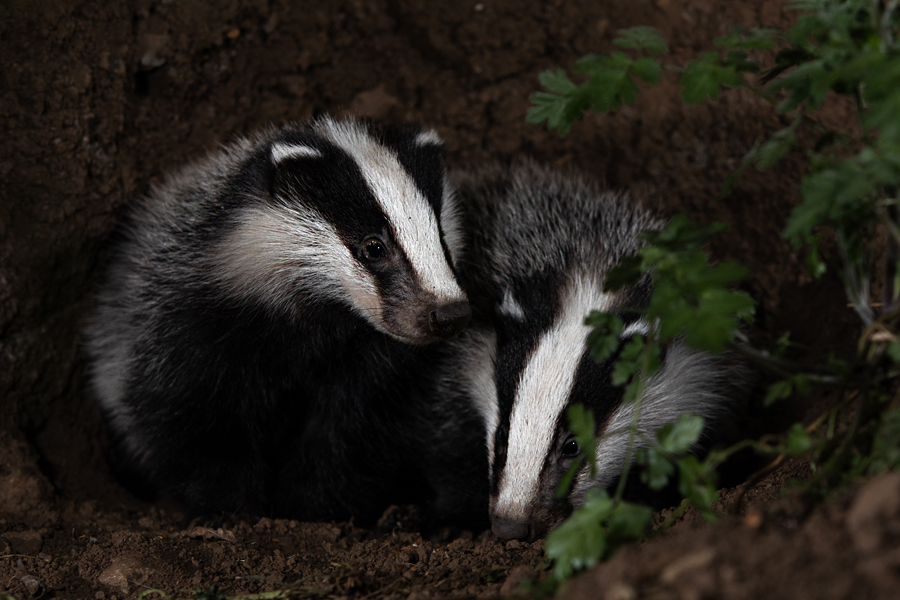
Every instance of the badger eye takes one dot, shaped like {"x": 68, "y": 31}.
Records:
{"x": 570, "y": 449}
{"x": 374, "y": 249}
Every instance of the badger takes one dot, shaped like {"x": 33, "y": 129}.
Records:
{"x": 260, "y": 329}
{"x": 539, "y": 247}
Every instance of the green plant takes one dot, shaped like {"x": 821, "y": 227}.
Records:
{"x": 849, "y": 197}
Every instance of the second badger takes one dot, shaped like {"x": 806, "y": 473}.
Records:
{"x": 259, "y": 329}
{"x": 541, "y": 245}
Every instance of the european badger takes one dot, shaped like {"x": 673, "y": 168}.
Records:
{"x": 540, "y": 247}
{"x": 257, "y": 336}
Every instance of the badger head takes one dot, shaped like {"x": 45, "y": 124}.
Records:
{"x": 543, "y": 366}
{"x": 356, "y": 214}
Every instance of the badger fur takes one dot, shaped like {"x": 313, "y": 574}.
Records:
{"x": 262, "y": 324}
{"x": 541, "y": 244}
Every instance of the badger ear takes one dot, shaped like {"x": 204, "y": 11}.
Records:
{"x": 509, "y": 307}
{"x": 284, "y": 165}
{"x": 283, "y": 151}
{"x": 429, "y": 137}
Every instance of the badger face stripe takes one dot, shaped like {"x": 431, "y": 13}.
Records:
{"x": 281, "y": 255}
{"x": 542, "y": 395}
{"x": 280, "y": 152}
{"x": 409, "y": 213}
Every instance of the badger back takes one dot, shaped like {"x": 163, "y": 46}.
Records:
{"x": 545, "y": 248}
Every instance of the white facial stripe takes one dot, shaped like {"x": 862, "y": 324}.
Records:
{"x": 688, "y": 381}
{"x": 510, "y": 307}
{"x": 283, "y": 151}
{"x": 429, "y": 137}
{"x": 543, "y": 393}
{"x": 404, "y": 205}
{"x": 278, "y": 254}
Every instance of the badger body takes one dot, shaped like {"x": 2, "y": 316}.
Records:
{"x": 541, "y": 244}
{"x": 261, "y": 327}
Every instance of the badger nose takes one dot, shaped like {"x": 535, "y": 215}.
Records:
{"x": 449, "y": 319}
{"x": 509, "y": 529}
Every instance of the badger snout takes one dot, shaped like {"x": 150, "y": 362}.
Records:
{"x": 449, "y": 319}
{"x": 507, "y": 528}
{"x": 425, "y": 320}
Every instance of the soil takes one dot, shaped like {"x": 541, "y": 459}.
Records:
{"x": 99, "y": 99}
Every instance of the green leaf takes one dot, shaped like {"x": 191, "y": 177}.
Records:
{"x": 594, "y": 532}
{"x": 647, "y": 69}
{"x": 556, "y": 81}
{"x": 561, "y": 106}
{"x": 774, "y": 149}
{"x": 815, "y": 266}
{"x": 580, "y": 542}
{"x": 798, "y": 440}
{"x": 678, "y": 437}
{"x": 738, "y": 59}
{"x": 893, "y": 350}
{"x": 779, "y": 391}
{"x": 628, "y": 365}
{"x": 696, "y": 483}
{"x": 628, "y": 523}
{"x": 623, "y": 371}
{"x": 629, "y": 271}
{"x": 603, "y": 340}
{"x": 642, "y": 38}
{"x": 703, "y": 78}
{"x": 658, "y": 469}
{"x": 610, "y": 84}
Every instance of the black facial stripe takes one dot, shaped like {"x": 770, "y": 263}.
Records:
{"x": 514, "y": 346}
{"x": 593, "y": 389}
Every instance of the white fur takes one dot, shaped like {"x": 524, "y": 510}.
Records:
{"x": 286, "y": 252}
{"x": 413, "y": 220}
{"x": 640, "y": 327}
{"x": 543, "y": 393}
{"x": 510, "y": 307}
{"x": 451, "y": 223}
{"x": 480, "y": 367}
{"x": 281, "y": 152}
{"x": 429, "y": 137}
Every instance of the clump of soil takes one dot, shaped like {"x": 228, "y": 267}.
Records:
{"x": 98, "y": 100}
